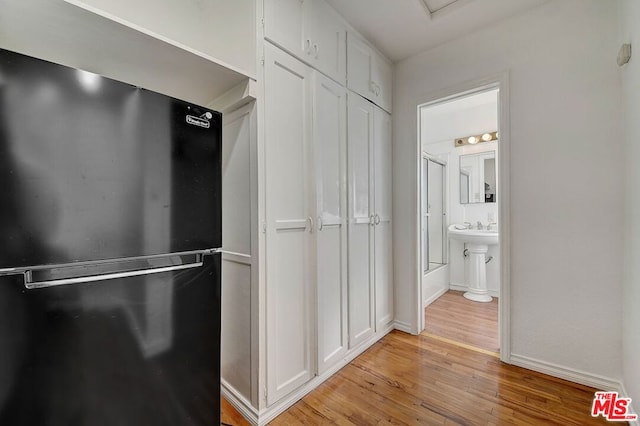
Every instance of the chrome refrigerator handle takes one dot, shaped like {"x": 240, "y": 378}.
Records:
{"x": 32, "y": 283}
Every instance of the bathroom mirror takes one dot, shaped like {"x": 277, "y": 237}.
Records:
{"x": 478, "y": 178}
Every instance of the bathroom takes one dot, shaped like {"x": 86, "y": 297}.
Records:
{"x": 459, "y": 142}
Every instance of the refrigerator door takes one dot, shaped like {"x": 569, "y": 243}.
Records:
{"x": 137, "y": 351}
{"x": 93, "y": 169}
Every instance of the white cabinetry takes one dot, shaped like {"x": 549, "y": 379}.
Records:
{"x": 289, "y": 222}
{"x": 239, "y": 260}
{"x": 368, "y": 73}
{"x": 382, "y": 158}
{"x": 305, "y": 164}
{"x": 370, "y": 256}
{"x": 310, "y": 30}
{"x": 361, "y": 297}
{"x": 330, "y": 163}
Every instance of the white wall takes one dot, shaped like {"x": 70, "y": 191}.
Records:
{"x": 630, "y": 17}
{"x": 224, "y": 30}
{"x": 566, "y": 239}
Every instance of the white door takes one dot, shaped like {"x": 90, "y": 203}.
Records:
{"x": 382, "y": 219}
{"x": 328, "y": 47}
{"x": 289, "y": 223}
{"x": 359, "y": 66}
{"x": 360, "y": 169}
{"x": 330, "y": 159}
{"x": 382, "y": 77}
{"x": 286, "y": 24}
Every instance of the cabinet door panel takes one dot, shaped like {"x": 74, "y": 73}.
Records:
{"x": 368, "y": 73}
{"x": 359, "y": 66}
{"x": 360, "y": 166}
{"x": 286, "y": 24}
{"x": 382, "y": 75}
{"x": 329, "y": 134}
{"x": 288, "y": 257}
{"x": 329, "y": 45}
{"x": 383, "y": 209}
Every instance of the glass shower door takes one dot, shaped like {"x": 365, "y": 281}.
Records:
{"x": 433, "y": 214}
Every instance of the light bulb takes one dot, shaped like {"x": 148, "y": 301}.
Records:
{"x": 486, "y": 137}
{"x": 473, "y": 140}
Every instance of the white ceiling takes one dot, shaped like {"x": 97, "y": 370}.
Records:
{"x": 402, "y": 28}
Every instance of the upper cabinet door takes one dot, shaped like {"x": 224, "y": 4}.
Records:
{"x": 359, "y": 57}
{"x": 310, "y": 30}
{"x": 368, "y": 73}
{"x": 382, "y": 77}
{"x": 286, "y": 23}
{"x": 328, "y": 51}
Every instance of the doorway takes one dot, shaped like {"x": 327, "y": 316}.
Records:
{"x": 455, "y": 132}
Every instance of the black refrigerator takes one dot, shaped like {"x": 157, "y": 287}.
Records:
{"x": 110, "y": 235}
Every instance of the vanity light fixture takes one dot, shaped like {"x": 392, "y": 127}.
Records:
{"x": 476, "y": 139}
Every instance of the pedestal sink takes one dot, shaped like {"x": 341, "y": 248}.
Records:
{"x": 478, "y": 242}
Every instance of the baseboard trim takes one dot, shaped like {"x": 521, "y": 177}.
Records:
{"x": 404, "y": 327}
{"x": 431, "y": 299}
{"x": 570, "y": 374}
{"x": 239, "y": 402}
{"x": 268, "y": 414}
{"x": 462, "y": 287}
{"x": 622, "y": 391}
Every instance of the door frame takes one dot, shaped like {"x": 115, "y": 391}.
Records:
{"x": 501, "y": 82}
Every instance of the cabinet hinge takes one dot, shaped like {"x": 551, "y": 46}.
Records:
{"x": 262, "y": 22}
{"x": 262, "y": 61}
{"x": 264, "y": 227}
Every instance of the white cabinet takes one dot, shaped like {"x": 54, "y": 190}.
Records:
{"x": 370, "y": 255}
{"x": 328, "y": 42}
{"x": 368, "y": 73}
{"x": 306, "y": 241}
{"x": 330, "y": 163}
{"x": 289, "y": 221}
{"x": 286, "y": 23}
{"x": 311, "y": 30}
{"x": 382, "y": 218}
{"x": 361, "y": 297}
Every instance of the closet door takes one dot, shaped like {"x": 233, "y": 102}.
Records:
{"x": 289, "y": 223}
{"x": 287, "y": 22}
{"x": 360, "y": 167}
{"x": 382, "y": 219}
{"x": 329, "y": 142}
{"x": 328, "y": 51}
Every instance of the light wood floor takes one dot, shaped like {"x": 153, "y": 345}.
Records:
{"x": 474, "y": 323}
{"x": 405, "y": 379}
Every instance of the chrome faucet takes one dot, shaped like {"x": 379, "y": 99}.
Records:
{"x": 490, "y": 225}
{"x": 469, "y": 226}
{"x": 479, "y": 225}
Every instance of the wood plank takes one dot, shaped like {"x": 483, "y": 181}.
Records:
{"x": 453, "y": 317}
{"x": 406, "y": 379}
{"x": 437, "y": 379}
